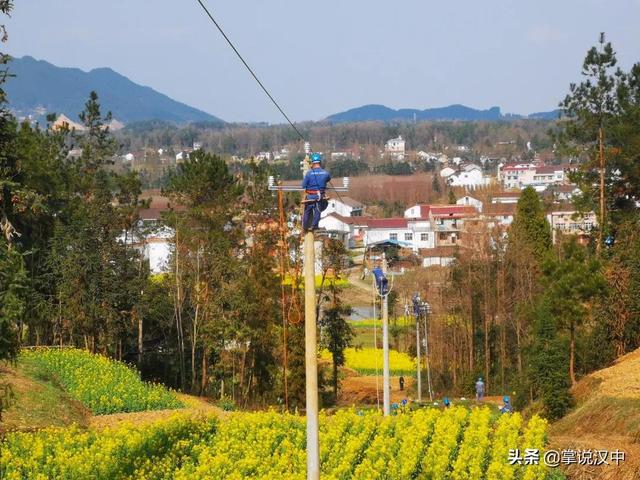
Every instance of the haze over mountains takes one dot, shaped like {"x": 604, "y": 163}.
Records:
{"x": 40, "y": 87}
{"x": 452, "y": 112}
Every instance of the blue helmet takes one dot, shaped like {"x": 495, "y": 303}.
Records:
{"x": 506, "y": 399}
{"x": 316, "y": 157}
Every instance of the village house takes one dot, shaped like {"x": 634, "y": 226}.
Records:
{"x": 566, "y": 220}
{"x": 438, "y": 256}
{"x": 506, "y": 197}
{"x": 344, "y": 206}
{"x": 469, "y": 176}
{"x": 470, "y": 201}
{"x": 513, "y": 174}
{"x": 395, "y": 148}
{"x": 349, "y": 230}
{"x": 539, "y": 177}
{"x": 499, "y": 214}
{"x": 408, "y": 233}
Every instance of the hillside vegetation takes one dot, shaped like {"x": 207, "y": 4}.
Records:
{"x": 607, "y": 416}
{"x": 102, "y": 385}
{"x": 38, "y": 401}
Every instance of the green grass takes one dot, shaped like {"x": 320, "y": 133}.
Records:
{"x": 38, "y": 401}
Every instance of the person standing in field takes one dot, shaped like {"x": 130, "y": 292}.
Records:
{"x": 401, "y": 381}
{"x": 479, "y": 390}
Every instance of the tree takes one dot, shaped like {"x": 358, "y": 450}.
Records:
{"x": 435, "y": 183}
{"x": 452, "y": 197}
{"x": 572, "y": 283}
{"x": 549, "y": 362}
{"x": 337, "y": 334}
{"x": 529, "y": 241}
{"x": 205, "y": 256}
{"x": 530, "y": 229}
{"x": 591, "y": 107}
{"x": 93, "y": 260}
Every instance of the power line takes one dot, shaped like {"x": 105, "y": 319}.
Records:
{"x": 250, "y": 69}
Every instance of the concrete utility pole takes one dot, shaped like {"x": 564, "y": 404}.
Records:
{"x": 311, "y": 358}
{"x": 419, "y": 375}
{"x": 310, "y": 348}
{"x": 386, "y": 400}
{"x": 427, "y": 311}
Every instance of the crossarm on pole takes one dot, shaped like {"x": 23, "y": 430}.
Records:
{"x": 295, "y": 188}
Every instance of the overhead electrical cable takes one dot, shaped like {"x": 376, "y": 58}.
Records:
{"x": 215, "y": 22}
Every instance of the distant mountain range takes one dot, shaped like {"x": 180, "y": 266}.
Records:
{"x": 453, "y": 112}
{"x": 39, "y": 88}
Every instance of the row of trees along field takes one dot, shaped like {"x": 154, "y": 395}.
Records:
{"x": 531, "y": 316}
{"x": 366, "y": 138}
{"x": 71, "y": 272}
{"x": 528, "y": 315}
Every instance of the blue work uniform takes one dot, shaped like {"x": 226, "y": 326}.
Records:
{"x": 479, "y": 390}
{"x": 416, "y": 305}
{"x": 382, "y": 283}
{"x": 314, "y": 184}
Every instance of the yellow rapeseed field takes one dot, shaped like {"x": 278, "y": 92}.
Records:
{"x": 363, "y": 361}
{"x": 101, "y": 384}
{"x": 426, "y": 443}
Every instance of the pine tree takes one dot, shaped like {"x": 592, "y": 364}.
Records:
{"x": 549, "y": 362}
{"x": 572, "y": 283}
{"x": 435, "y": 183}
{"x": 530, "y": 229}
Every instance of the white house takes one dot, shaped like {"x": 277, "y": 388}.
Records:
{"x": 567, "y": 220}
{"x": 417, "y": 211}
{"x": 438, "y": 256}
{"x": 506, "y": 197}
{"x": 470, "y": 201}
{"x": 344, "y": 206}
{"x": 409, "y": 233}
{"x": 446, "y": 172}
{"x": 512, "y": 175}
{"x": 182, "y": 156}
{"x": 349, "y": 230}
{"x": 473, "y": 178}
{"x": 395, "y": 147}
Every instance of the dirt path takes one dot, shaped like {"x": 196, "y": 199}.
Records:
{"x": 362, "y": 390}
{"x": 194, "y": 406}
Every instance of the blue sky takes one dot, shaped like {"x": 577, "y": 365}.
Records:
{"x": 323, "y": 57}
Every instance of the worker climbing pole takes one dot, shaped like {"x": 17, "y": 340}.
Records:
{"x": 383, "y": 289}
{"x": 314, "y": 185}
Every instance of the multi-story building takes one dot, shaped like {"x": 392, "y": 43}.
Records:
{"x": 395, "y": 148}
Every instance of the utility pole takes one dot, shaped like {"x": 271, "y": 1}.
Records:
{"x": 386, "y": 400}
{"x": 311, "y": 359}
{"x": 419, "y": 374}
{"x": 602, "y": 184}
{"x": 427, "y": 311}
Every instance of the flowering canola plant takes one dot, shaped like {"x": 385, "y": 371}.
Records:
{"x": 101, "y": 384}
{"x": 363, "y": 361}
{"x": 427, "y": 443}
